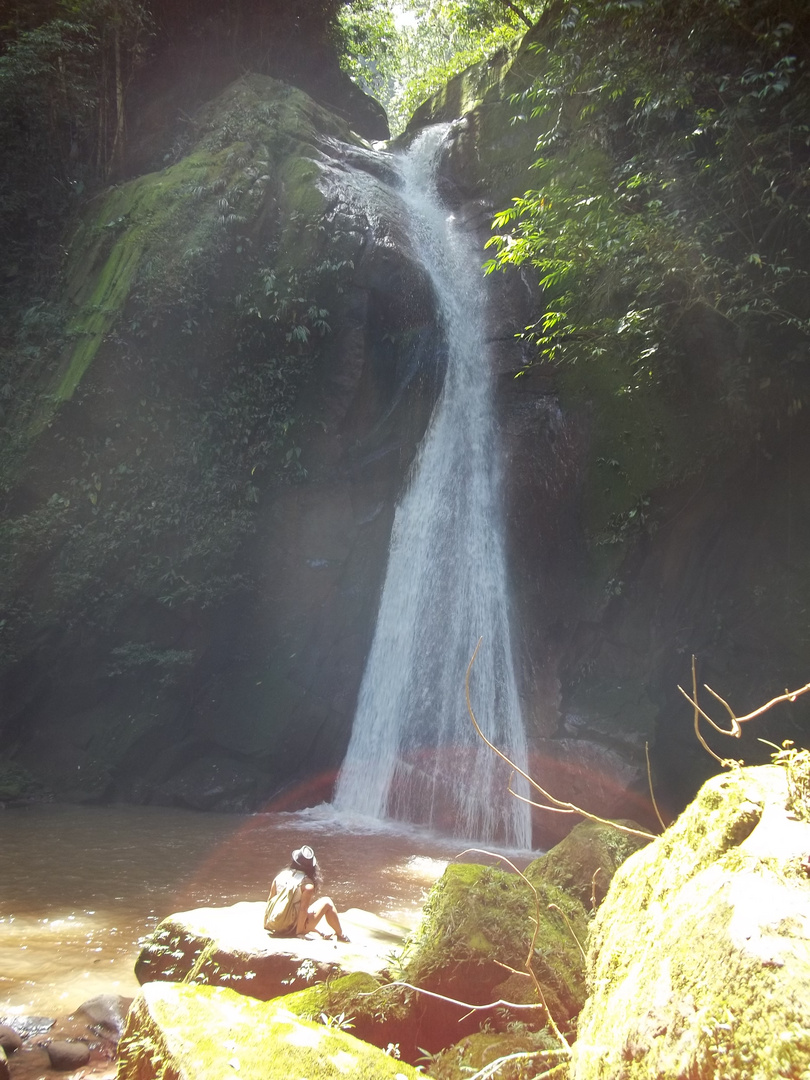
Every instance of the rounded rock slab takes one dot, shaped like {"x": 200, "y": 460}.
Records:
{"x": 229, "y": 946}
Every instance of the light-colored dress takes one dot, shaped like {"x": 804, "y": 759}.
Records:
{"x": 283, "y": 905}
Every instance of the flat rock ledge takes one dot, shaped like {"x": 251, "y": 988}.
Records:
{"x": 229, "y": 947}
{"x": 208, "y": 1032}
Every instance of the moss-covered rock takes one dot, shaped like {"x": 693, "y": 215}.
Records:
{"x": 345, "y": 999}
{"x": 585, "y": 861}
{"x": 366, "y": 1006}
{"x": 699, "y": 961}
{"x": 478, "y": 923}
{"x": 529, "y": 1053}
{"x": 178, "y": 1032}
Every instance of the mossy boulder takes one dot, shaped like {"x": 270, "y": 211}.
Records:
{"x": 478, "y": 923}
{"x": 585, "y": 861}
{"x": 699, "y": 960}
{"x": 366, "y": 1006}
{"x": 529, "y": 1053}
{"x": 177, "y": 1032}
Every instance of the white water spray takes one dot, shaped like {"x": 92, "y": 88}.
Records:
{"x": 414, "y": 754}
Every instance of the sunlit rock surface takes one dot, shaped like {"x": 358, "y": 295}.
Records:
{"x": 207, "y": 1032}
{"x": 229, "y": 947}
{"x": 699, "y": 961}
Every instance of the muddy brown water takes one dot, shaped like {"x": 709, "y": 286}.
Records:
{"x": 81, "y": 886}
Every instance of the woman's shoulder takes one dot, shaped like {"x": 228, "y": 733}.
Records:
{"x": 290, "y": 877}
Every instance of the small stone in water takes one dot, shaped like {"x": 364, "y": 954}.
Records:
{"x": 9, "y": 1039}
{"x": 68, "y": 1055}
{"x": 28, "y": 1025}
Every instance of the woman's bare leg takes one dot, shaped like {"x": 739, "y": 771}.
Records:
{"x": 323, "y": 908}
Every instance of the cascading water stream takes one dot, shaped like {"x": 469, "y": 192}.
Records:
{"x": 414, "y": 754}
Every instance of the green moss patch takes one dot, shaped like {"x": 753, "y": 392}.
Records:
{"x": 478, "y": 919}
{"x": 524, "y": 1055}
{"x": 204, "y": 1033}
{"x": 155, "y": 235}
{"x": 585, "y": 861}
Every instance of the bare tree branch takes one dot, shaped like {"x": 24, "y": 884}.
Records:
{"x": 735, "y": 731}
{"x": 524, "y": 18}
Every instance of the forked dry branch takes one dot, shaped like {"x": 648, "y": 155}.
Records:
{"x": 735, "y": 730}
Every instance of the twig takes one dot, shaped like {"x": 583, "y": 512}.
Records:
{"x": 556, "y": 907}
{"x": 597, "y": 871}
{"x": 559, "y": 805}
{"x": 493, "y": 1067}
{"x": 649, "y": 781}
{"x": 454, "y": 1001}
{"x": 735, "y": 731}
{"x": 528, "y": 963}
{"x": 789, "y": 695}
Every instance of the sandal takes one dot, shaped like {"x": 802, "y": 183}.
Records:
{"x": 341, "y": 937}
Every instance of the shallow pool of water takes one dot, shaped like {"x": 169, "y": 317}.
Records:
{"x": 81, "y": 885}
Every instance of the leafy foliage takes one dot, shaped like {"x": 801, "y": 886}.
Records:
{"x": 402, "y": 53}
{"x": 796, "y": 763}
{"x": 672, "y": 188}
{"x": 62, "y": 82}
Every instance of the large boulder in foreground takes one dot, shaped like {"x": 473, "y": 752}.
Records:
{"x": 699, "y": 961}
{"x": 229, "y": 946}
{"x": 478, "y": 924}
{"x": 184, "y": 1032}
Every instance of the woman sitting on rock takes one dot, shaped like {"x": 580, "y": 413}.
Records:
{"x": 293, "y": 906}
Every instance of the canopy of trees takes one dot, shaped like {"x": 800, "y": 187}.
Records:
{"x": 688, "y": 194}
{"x": 403, "y": 52}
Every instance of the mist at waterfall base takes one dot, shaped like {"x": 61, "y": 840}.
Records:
{"x": 414, "y": 754}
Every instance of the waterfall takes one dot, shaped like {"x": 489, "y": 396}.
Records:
{"x": 413, "y": 753}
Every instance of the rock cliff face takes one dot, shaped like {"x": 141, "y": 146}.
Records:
{"x": 213, "y": 463}
{"x": 643, "y": 529}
